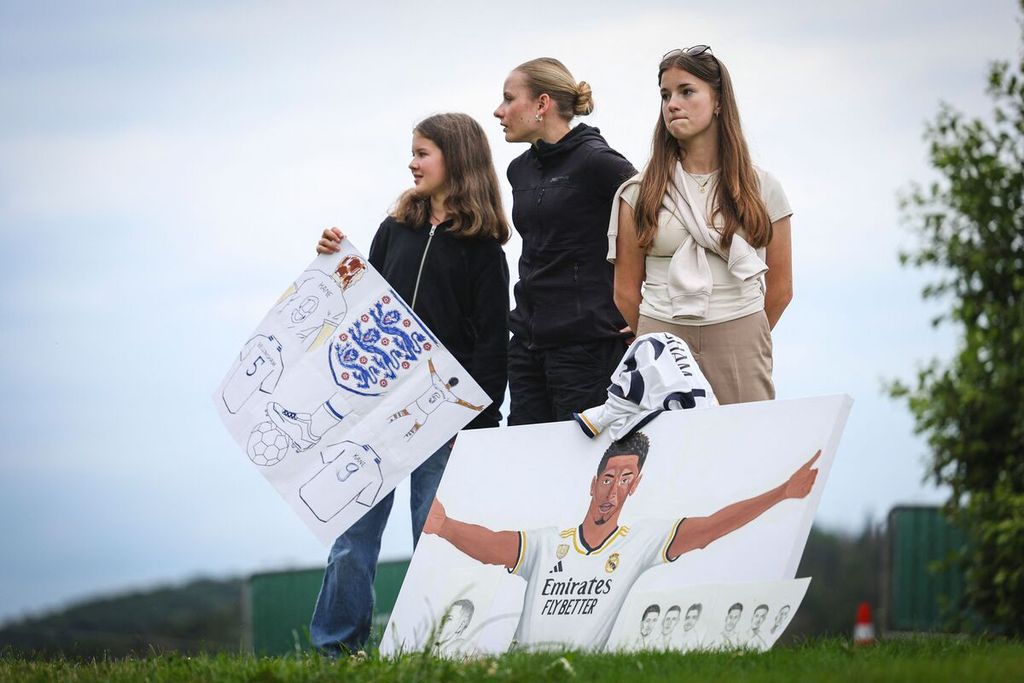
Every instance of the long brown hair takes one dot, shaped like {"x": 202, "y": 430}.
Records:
{"x": 473, "y": 198}
{"x": 737, "y": 197}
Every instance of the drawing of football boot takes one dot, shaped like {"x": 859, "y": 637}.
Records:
{"x": 296, "y": 426}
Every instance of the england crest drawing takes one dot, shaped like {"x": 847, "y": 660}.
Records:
{"x": 378, "y": 347}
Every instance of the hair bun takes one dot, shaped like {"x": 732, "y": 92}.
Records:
{"x": 584, "y": 99}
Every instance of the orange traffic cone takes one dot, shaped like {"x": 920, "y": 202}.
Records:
{"x": 864, "y": 628}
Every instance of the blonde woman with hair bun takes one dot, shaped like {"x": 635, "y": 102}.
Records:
{"x": 567, "y": 335}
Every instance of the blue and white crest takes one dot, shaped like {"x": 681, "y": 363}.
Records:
{"x": 379, "y": 346}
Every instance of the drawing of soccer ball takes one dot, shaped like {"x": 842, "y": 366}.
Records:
{"x": 266, "y": 446}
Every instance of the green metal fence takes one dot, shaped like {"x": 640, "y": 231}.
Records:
{"x": 277, "y": 606}
{"x": 918, "y": 587}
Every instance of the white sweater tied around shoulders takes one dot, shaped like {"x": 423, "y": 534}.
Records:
{"x": 689, "y": 274}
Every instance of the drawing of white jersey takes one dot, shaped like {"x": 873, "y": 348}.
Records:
{"x": 432, "y": 399}
{"x": 318, "y": 300}
{"x": 259, "y": 368}
{"x": 574, "y": 593}
{"x": 352, "y": 474}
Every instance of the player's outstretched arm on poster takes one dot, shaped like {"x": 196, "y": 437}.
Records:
{"x": 330, "y": 241}
{"x": 699, "y": 532}
{"x": 467, "y": 404}
{"x": 480, "y": 543}
{"x": 434, "y": 377}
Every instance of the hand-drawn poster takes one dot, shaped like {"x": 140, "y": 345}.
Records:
{"x": 560, "y": 531}
{"x": 723, "y": 616}
{"x": 341, "y": 391}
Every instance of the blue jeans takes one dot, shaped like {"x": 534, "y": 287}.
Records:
{"x": 344, "y": 609}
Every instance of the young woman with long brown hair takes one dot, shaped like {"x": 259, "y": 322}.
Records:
{"x": 701, "y": 240}
{"x": 440, "y": 248}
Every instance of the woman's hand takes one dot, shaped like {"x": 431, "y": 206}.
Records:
{"x": 330, "y": 241}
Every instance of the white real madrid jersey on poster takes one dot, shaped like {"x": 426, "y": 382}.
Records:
{"x": 574, "y": 593}
{"x": 432, "y": 399}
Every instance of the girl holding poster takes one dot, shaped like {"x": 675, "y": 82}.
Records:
{"x": 440, "y": 248}
{"x": 701, "y": 239}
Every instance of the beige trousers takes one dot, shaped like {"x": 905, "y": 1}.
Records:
{"x": 735, "y": 356}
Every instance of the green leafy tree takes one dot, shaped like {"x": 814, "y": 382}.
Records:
{"x": 971, "y": 409}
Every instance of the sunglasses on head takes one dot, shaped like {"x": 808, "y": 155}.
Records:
{"x": 692, "y": 51}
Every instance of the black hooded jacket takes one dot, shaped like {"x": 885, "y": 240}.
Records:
{"x": 562, "y": 195}
{"x": 462, "y": 297}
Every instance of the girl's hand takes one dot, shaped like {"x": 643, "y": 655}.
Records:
{"x": 628, "y": 335}
{"x": 330, "y": 241}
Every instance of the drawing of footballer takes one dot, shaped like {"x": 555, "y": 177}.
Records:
{"x": 440, "y": 392}
{"x": 668, "y": 626}
{"x": 650, "y": 617}
{"x": 579, "y": 578}
{"x": 729, "y": 639}
{"x": 754, "y": 637}
{"x": 452, "y": 640}
{"x": 780, "y": 618}
{"x": 314, "y": 305}
{"x": 690, "y": 639}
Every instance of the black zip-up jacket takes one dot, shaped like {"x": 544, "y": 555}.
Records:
{"x": 462, "y": 297}
{"x": 562, "y": 196}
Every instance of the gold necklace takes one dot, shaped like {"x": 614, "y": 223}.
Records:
{"x": 702, "y": 186}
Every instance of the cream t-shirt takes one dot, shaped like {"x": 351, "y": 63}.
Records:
{"x": 731, "y": 298}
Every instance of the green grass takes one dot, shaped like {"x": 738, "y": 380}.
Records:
{"x": 929, "y": 660}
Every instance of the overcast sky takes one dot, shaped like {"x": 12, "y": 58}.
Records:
{"x": 165, "y": 171}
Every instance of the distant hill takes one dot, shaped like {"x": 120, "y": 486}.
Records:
{"x": 201, "y": 616}
{"x": 206, "y": 615}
